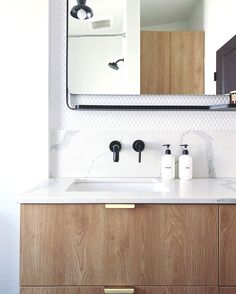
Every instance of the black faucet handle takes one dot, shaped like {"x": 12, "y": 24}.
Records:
{"x": 139, "y": 146}
{"x": 115, "y": 147}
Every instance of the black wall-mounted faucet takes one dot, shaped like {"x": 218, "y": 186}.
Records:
{"x": 139, "y": 146}
{"x": 115, "y": 147}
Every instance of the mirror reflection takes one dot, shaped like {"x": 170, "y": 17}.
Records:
{"x": 150, "y": 46}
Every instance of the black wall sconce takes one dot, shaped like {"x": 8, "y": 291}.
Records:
{"x": 81, "y": 11}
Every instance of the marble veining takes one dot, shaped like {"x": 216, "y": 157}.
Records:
{"x": 65, "y": 141}
{"x": 209, "y": 152}
{"x": 91, "y": 166}
{"x": 86, "y": 154}
{"x": 229, "y": 184}
{"x": 208, "y": 141}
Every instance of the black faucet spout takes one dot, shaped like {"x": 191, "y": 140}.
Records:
{"x": 116, "y": 155}
{"x": 115, "y": 147}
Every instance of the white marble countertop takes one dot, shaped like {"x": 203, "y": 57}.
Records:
{"x": 201, "y": 190}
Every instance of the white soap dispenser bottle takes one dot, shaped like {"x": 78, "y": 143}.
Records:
{"x": 167, "y": 164}
{"x": 185, "y": 164}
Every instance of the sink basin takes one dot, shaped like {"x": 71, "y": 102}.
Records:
{"x": 120, "y": 185}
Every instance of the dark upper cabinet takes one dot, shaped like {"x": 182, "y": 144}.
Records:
{"x": 226, "y": 67}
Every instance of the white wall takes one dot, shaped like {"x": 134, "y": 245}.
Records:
{"x": 176, "y": 26}
{"x": 23, "y": 120}
{"x": 88, "y": 61}
{"x": 194, "y": 22}
{"x": 219, "y": 26}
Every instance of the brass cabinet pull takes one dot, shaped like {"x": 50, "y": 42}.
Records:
{"x": 119, "y": 206}
{"x": 119, "y": 291}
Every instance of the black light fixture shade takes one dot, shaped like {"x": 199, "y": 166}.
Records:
{"x": 81, "y": 11}
{"x": 114, "y": 65}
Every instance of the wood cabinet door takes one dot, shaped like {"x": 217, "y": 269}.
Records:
{"x": 137, "y": 290}
{"x": 229, "y": 290}
{"x": 91, "y": 245}
{"x": 228, "y": 245}
{"x": 62, "y": 290}
{"x": 155, "y": 62}
{"x": 176, "y": 290}
{"x": 187, "y": 63}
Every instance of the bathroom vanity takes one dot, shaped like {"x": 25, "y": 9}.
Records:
{"x": 180, "y": 239}
{"x": 114, "y": 236}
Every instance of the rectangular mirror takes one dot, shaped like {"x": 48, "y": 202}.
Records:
{"x": 146, "y": 46}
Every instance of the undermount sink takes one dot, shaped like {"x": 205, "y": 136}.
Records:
{"x": 117, "y": 185}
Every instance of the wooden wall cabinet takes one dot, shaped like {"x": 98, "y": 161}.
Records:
{"x": 172, "y": 62}
{"x": 155, "y": 63}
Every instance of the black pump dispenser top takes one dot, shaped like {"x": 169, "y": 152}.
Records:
{"x": 168, "y": 151}
{"x": 185, "y": 150}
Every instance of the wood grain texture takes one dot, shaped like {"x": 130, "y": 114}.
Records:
{"x": 155, "y": 62}
{"x": 174, "y": 240}
{"x": 138, "y": 290}
{"x": 229, "y": 290}
{"x": 62, "y": 290}
{"x": 187, "y": 62}
{"x": 176, "y": 290}
{"x": 228, "y": 245}
{"x": 90, "y": 245}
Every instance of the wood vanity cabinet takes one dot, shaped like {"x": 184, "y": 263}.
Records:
{"x": 62, "y": 290}
{"x": 89, "y": 245}
{"x": 228, "y": 246}
{"x": 176, "y": 290}
{"x": 229, "y": 290}
{"x": 137, "y": 290}
{"x": 172, "y": 62}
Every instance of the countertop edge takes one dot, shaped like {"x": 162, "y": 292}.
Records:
{"x": 195, "y": 191}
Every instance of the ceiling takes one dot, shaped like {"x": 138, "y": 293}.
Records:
{"x": 153, "y": 12}
{"x": 157, "y": 12}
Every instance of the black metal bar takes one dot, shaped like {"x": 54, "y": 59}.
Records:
{"x": 143, "y": 107}
{"x": 223, "y": 107}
